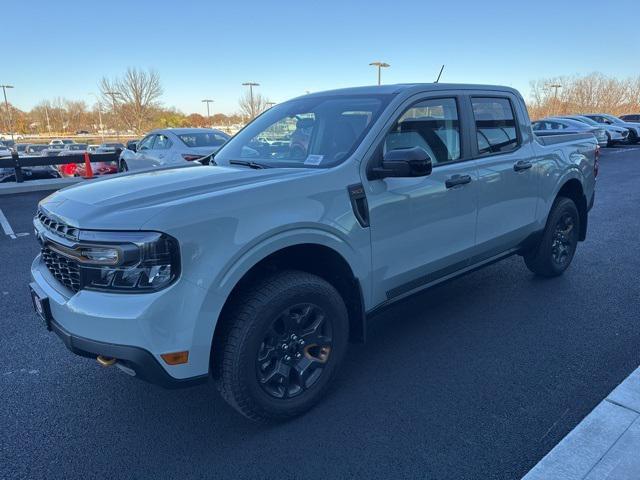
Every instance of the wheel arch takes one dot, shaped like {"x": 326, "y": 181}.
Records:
{"x": 572, "y": 189}
{"x": 312, "y": 257}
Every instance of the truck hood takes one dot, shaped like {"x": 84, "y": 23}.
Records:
{"x": 126, "y": 202}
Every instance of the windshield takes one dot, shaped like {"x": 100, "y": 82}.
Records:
{"x": 316, "y": 131}
{"x": 203, "y": 139}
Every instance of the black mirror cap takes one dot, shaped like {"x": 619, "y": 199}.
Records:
{"x": 405, "y": 162}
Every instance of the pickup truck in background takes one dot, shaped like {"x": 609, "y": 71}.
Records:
{"x": 260, "y": 268}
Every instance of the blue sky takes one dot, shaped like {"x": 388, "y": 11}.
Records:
{"x": 206, "y": 49}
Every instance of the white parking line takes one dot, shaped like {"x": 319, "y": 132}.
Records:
{"x": 6, "y": 226}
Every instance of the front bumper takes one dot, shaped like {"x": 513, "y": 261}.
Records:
{"x": 135, "y": 329}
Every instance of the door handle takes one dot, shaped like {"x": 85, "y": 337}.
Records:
{"x": 521, "y": 165}
{"x": 456, "y": 180}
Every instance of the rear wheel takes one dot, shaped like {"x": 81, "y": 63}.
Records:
{"x": 559, "y": 240}
{"x": 280, "y": 345}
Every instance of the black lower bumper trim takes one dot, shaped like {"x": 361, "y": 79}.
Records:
{"x": 140, "y": 360}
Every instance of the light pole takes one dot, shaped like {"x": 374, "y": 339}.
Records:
{"x": 556, "y": 87}
{"x": 208, "y": 101}
{"x": 251, "y": 106}
{"x": 99, "y": 115}
{"x": 6, "y": 104}
{"x": 113, "y": 99}
{"x": 46, "y": 114}
{"x": 380, "y": 66}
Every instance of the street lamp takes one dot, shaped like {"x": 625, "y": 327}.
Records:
{"x": 380, "y": 66}
{"x": 208, "y": 101}
{"x": 113, "y": 99}
{"x": 556, "y": 87}
{"x": 99, "y": 115}
{"x": 6, "y": 104}
{"x": 251, "y": 106}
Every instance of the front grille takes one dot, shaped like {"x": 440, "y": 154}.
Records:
{"x": 56, "y": 227}
{"x": 63, "y": 268}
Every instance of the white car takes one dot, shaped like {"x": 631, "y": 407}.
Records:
{"x": 171, "y": 146}
{"x": 61, "y": 141}
{"x": 4, "y": 151}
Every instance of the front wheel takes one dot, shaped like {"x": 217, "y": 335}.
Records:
{"x": 559, "y": 240}
{"x": 280, "y": 345}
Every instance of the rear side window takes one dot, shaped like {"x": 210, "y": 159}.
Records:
{"x": 496, "y": 130}
{"x": 432, "y": 125}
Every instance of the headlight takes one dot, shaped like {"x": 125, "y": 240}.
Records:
{"x": 127, "y": 261}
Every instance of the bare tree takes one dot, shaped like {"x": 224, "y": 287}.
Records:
{"x": 252, "y": 105}
{"x": 137, "y": 94}
{"x": 591, "y": 93}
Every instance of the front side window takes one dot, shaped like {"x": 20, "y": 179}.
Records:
{"x": 430, "y": 124}
{"x": 314, "y": 132}
{"x": 496, "y": 130}
{"x": 146, "y": 143}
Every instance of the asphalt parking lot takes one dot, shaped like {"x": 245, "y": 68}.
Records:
{"x": 478, "y": 378}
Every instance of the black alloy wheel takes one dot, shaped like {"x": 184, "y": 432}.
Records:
{"x": 294, "y": 351}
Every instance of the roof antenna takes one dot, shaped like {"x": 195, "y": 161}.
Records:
{"x": 438, "y": 79}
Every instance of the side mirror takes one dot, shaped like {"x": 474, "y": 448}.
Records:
{"x": 404, "y": 162}
{"x": 133, "y": 147}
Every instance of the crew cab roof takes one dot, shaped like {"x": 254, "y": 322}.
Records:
{"x": 410, "y": 88}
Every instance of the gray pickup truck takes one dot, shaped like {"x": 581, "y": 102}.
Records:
{"x": 259, "y": 268}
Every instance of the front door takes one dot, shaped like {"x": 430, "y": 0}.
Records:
{"x": 423, "y": 228}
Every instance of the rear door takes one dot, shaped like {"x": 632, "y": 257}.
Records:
{"x": 508, "y": 175}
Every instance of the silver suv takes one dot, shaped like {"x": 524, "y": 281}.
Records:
{"x": 259, "y": 269}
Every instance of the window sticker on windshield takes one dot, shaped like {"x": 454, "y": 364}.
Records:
{"x": 313, "y": 159}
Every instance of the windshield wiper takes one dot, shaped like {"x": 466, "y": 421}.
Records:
{"x": 249, "y": 164}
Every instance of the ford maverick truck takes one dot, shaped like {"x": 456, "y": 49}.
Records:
{"x": 261, "y": 267}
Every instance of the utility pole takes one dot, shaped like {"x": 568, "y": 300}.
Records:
{"x": 6, "y": 104}
{"x": 113, "y": 99}
{"x": 556, "y": 87}
{"x": 99, "y": 115}
{"x": 252, "y": 106}
{"x": 380, "y": 66}
{"x": 208, "y": 101}
{"x": 46, "y": 114}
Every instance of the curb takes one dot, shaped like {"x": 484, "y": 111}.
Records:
{"x": 37, "y": 185}
{"x": 605, "y": 444}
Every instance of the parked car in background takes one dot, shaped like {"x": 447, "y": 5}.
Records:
{"x": 20, "y": 148}
{"x": 35, "y": 149}
{"x": 31, "y": 173}
{"x": 79, "y": 169}
{"x": 563, "y": 126}
{"x": 172, "y": 146}
{"x": 260, "y": 270}
{"x": 10, "y": 144}
{"x": 52, "y": 150}
{"x": 4, "y": 151}
{"x": 634, "y": 128}
{"x": 73, "y": 148}
{"x": 61, "y": 141}
{"x": 110, "y": 147}
{"x": 632, "y": 118}
{"x": 615, "y": 134}
{"x": 92, "y": 147}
